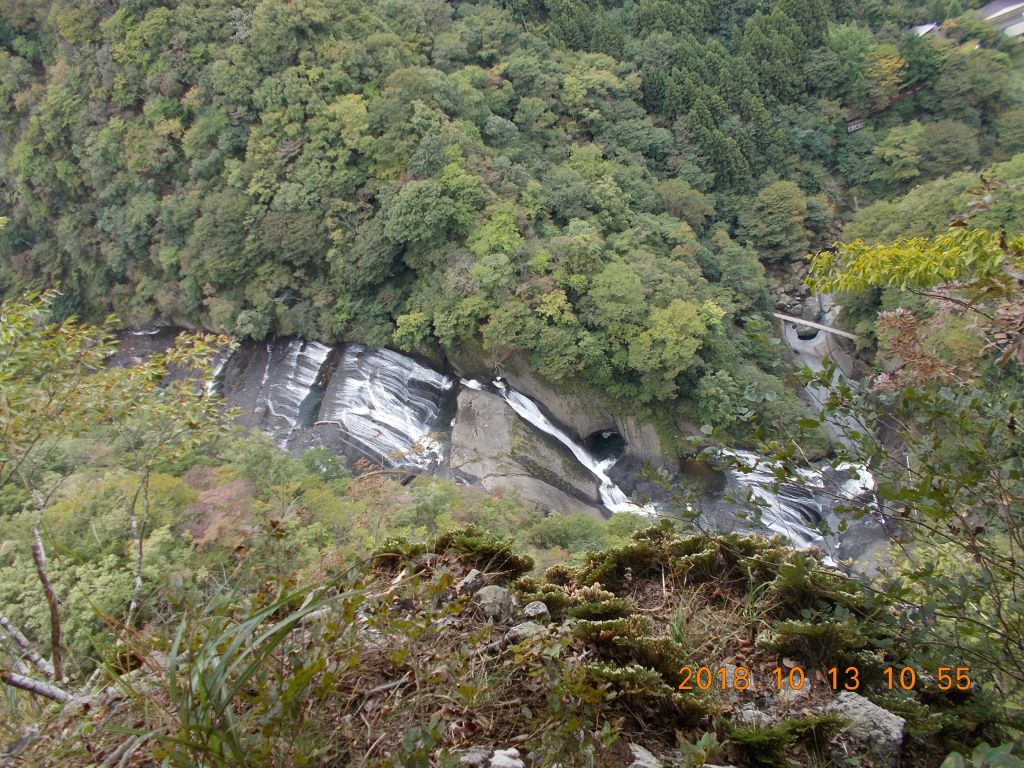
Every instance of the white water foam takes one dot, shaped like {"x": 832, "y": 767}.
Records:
{"x": 612, "y": 497}
{"x": 388, "y": 403}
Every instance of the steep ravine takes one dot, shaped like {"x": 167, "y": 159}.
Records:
{"x": 379, "y": 408}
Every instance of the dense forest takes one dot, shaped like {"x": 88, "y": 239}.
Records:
{"x": 596, "y": 185}
{"x": 610, "y": 191}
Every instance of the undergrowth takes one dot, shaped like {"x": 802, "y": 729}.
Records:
{"x": 386, "y": 664}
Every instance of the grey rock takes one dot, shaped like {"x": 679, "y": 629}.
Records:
{"x": 642, "y": 758}
{"x": 709, "y": 765}
{"x": 492, "y": 445}
{"x": 471, "y": 583}
{"x": 752, "y": 717}
{"x": 523, "y": 631}
{"x": 810, "y": 310}
{"x": 537, "y": 611}
{"x": 586, "y": 411}
{"x": 474, "y": 756}
{"x": 787, "y": 694}
{"x": 494, "y": 602}
{"x": 507, "y": 758}
{"x": 729, "y": 689}
{"x": 872, "y": 732}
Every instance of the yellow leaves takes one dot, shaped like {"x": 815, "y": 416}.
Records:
{"x": 351, "y": 120}
{"x": 887, "y": 67}
{"x": 974, "y": 256}
{"x": 555, "y": 307}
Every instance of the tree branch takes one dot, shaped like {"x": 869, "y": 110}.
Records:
{"x": 38, "y": 687}
{"x": 28, "y": 653}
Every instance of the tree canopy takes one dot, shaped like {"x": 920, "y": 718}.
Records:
{"x": 455, "y": 174}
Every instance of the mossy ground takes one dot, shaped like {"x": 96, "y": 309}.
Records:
{"x": 392, "y": 668}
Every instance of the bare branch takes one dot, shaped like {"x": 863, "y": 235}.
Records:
{"x": 38, "y": 687}
{"x": 28, "y": 653}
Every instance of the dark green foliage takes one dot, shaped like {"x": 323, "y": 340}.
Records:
{"x": 771, "y": 745}
{"x": 587, "y": 184}
{"x": 823, "y": 642}
{"x": 476, "y": 548}
{"x": 396, "y": 550}
{"x": 610, "y": 567}
{"x": 801, "y": 583}
{"x": 643, "y": 694}
{"x": 612, "y": 608}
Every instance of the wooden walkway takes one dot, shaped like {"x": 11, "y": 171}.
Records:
{"x": 809, "y": 324}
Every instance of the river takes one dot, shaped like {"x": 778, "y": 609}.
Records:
{"x": 383, "y": 409}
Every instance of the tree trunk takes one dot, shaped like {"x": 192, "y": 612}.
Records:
{"x": 28, "y": 653}
{"x": 137, "y": 530}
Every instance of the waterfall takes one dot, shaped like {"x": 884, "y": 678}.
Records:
{"x": 291, "y": 368}
{"x": 793, "y": 510}
{"x": 612, "y": 496}
{"x": 366, "y": 403}
{"x": 387, "y": 404}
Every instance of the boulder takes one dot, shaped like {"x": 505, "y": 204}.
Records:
{"x": 471, "y": 583}
{"x": 474, "y": 757}
{"x": 642, "y": 758}
{"x": 506, "y": 758}
{"x": 489, "y": 757}
{"x": 522, "y": 631}
{"x": 752, "y": 717}
{"x": 585, "y": 412}
{"x": 873, "y": 732}
{"x": 494, "y": 602}
{"x": 493, "y": 446}
{"x": 538, "y": 612}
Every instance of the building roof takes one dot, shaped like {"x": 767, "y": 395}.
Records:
{"x": 923, "y": 29}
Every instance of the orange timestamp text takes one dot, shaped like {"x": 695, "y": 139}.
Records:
{"x": 836, "y": 678}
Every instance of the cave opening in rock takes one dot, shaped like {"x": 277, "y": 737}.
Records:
{"x": 806, "y": 334}
{"x": 605, "y": 444}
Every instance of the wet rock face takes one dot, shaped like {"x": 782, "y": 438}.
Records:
{"x": 277, "y": 385}
{"x": 364, "y": 403}
{"x": 586, "y": 413}
{"x": 388, "y": 404}
{"x": 494, "y": 447}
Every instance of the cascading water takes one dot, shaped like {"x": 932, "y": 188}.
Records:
{"x": 281, "y": 395}
{"x": 792, "y": 510}
{"x": 388, "y": 405}
{"x": 612, "y": 496}
{"x": 371, "y": 404}
{"x": 391, "y": 411}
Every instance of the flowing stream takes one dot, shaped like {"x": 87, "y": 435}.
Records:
{"x": 612, "y": 497}
{"x": 387, "y": 410}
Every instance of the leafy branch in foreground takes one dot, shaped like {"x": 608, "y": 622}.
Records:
{"x": 55, "y": 384}
{"x": 945, "y": 445}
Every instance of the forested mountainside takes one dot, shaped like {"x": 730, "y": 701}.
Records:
{"x": 609, "y": 195}
{"x": 596, "y": 184}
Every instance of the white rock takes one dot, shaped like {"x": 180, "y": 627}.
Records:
{"x": 523, "y": 631}
{"x": 642, "y": 758}
{"x": 494, "y": 602}
{"x": 872, "y": 731}
{"x": 474, "y": 757}
{"x": 752, "y": 717}
{"x": 507, "y": 758}
{"x": 537, "y": 611}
